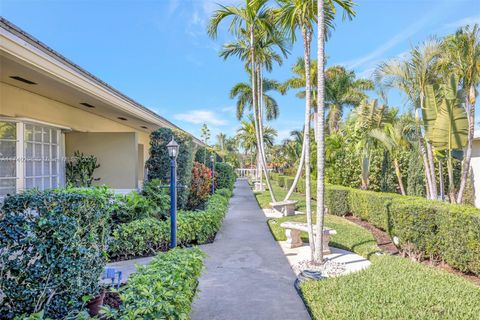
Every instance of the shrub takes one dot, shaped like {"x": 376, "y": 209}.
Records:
{"x": 281, "y": 181}
{"x": 154, "y": 191}
{"x": 274, "y": 176}
{"x": 225, "y": 176}
{"x": 53, "y": 250}
{"x": 158, "y": 164}
{"x": 80, "y": 169}
{"x": 163, "y": 289}
{"x": 132, "y": 206}
{"x": 146, "y": 236}
{"x": 200, "y": 187}
{"x": 424, "y": 227}
{"x": 288, "y": 182}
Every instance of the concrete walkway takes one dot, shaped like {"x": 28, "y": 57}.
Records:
{"x": 247, "y": 275}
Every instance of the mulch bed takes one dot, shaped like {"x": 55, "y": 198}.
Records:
{"x": 112, "y": 299}
{"x": 386, "y": 245}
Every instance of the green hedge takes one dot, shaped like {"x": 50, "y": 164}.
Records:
{"x": 163, "y": 289}
{"x": 274, "y": 176}
{"x": 282, "y": 181}
{"x": 425, "y": 228}
{"x": 288, "y": 182}
{"x": 147, "y": 236}
{"x": 225, "y": 176}
{"x": 53, "y": 250}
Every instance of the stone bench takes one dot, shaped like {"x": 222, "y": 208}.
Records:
{"x": 293, "y": 229}
{"x": 286, "y": 208}
{"x": 259, "y": 186}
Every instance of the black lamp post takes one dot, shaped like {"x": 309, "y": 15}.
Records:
{"x": 172, "y": 148}
{"x": 212, "y": 160}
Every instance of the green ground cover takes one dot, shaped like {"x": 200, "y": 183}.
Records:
{"x": 392, "y": 288}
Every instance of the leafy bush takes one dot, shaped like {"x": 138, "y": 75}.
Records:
{"x": 200, "y": 187}
{"x": 282, "y": 181}
{"x": 274, "y": 176}
{"x": 80, "y": 169}
{"x": 154, "y": 191}
{"x": 225, "y": 176}
{"x": 146, "y": 236}
{"x": 424, "y": 227}
{"x": 288, "y": 182}
{"x": 158, "y": 164}
{"x": 163, "y": 289}
{"x": 132, "y": 206}
{"x": 52, "y": 250}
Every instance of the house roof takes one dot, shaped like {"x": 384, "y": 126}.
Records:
{"x": 32, "y": 41}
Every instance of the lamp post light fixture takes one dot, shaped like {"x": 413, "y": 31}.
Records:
{"x": 172, "y": 148}
{"x": 212, "y": 160}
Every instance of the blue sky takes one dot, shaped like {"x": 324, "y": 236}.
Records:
{"x": 158, "y": 52}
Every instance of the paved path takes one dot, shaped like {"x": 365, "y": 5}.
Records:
{"x": 247, "y": 275}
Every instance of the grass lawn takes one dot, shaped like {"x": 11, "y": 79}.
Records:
{"x": 392, "y": 288}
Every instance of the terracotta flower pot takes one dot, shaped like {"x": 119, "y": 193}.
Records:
{"x": 95, "y": 304}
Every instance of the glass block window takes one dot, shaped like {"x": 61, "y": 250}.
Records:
{"x": 8, "y": 158}
{"x": 41, "y": 157}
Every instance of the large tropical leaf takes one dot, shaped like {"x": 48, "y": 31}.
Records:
{"x": 451, "y": 126}
{"x": 430, "y": 111}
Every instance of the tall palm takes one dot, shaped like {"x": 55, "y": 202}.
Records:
{"x": 243, "y": 92}
{"x": 412, "y": 76}
{"x": 294, "y": 15}
{"x": 247, "y": 136}
{"x": 254, "y": 19}
{"x": 461, "y": 56}
{"x": 342, "y": 89}
{"x": 395, "y": 137}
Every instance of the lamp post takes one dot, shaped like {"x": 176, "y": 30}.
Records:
{"x": 212, "y": 160}
{"x": 172, "y": 148}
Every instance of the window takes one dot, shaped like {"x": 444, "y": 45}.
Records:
{"x": 8, "y": 157}
{"x": 30, "y": 157}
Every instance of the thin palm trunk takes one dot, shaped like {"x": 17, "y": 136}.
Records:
{"x": 441, "y": 180}
{"x": 431, "y": 165}
{"x": 421, "y": 146}
{"x": 399, "y": 176}
{"x": 299, "y": 169}
{"x": 320, "y": 133}
{"x": 306, "y": 140}
{"x": 470, "y": 102}
{"x": 451, "y": 184}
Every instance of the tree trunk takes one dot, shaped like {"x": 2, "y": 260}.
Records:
{"x": 441, "y": 180}
{"x": 431, "y": 163}
{"x": 320, "y": 133}
{"x": 470, "y": 104}
{"x": 306, "y": 139}
{"x": 256, "y": 114}
{"x": 451, "y": 184}
{"x": 421, "y": 147}
{"x": 426, "y": 153}
{"x": 299, "y": 169}
{"x": 399, "y": 176}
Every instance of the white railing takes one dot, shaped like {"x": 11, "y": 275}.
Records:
{"x": 248, "y": 172}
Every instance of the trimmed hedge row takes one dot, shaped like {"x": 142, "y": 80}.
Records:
{"x": 224, "y": 175}
{"x": 424, "y": 227}
{"x": 147, "y": 236}
{"x": 163, "y": 289}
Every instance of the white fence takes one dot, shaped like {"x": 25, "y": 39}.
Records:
{"x": 248, "y": 173}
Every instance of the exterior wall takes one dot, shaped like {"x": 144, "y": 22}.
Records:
{"x": 476, "y": 170}
{"x": 117, "y": 154}
{"x": 18, "y": 103}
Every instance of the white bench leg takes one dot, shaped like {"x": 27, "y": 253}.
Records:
{"x": 293, "y": 238}
{"x": 326, "y": 240}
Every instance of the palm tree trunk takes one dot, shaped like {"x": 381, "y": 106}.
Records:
{"x": 427, "y": 156}
{"x": 451, "y": 184}
{"x": 260, "y": 122}
{"x": 306, "y": 140}
{"x": 470, "y": 102}
{"x": 258, "y": 134}
{"x": 441, "y": 180}
{"x": 421, "y": 147}
{"x": 320, "y": 133}
{"x": 299, "y": 169}
{"x": 431, "y": 163}
{"x": 399, "y": 176}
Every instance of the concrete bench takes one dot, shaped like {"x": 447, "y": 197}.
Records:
{"x": 259, "y": 186}
{"x": 293, "y": 229}
{"x": 286, "y": 208}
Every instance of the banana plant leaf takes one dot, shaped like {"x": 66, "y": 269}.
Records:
{"x": 451, "y": 126}
{"x": 430, "y": 110}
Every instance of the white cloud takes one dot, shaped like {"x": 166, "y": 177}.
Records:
{"x": 462, "y": 22}
{"x": 229, "y": 109}
{"x": 201, "y": 116}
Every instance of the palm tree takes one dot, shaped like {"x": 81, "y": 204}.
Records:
{"x": 395, "y": 137}
{"x": 294, "y": 15}
{"x": 461, "y": 56}
{"x": 254, "y": 20}
{"x": 412, "y": 77}
{"x": 247, "y": 136}
{"x": 342, "y": 90}
{"x": 243, "y": 92}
